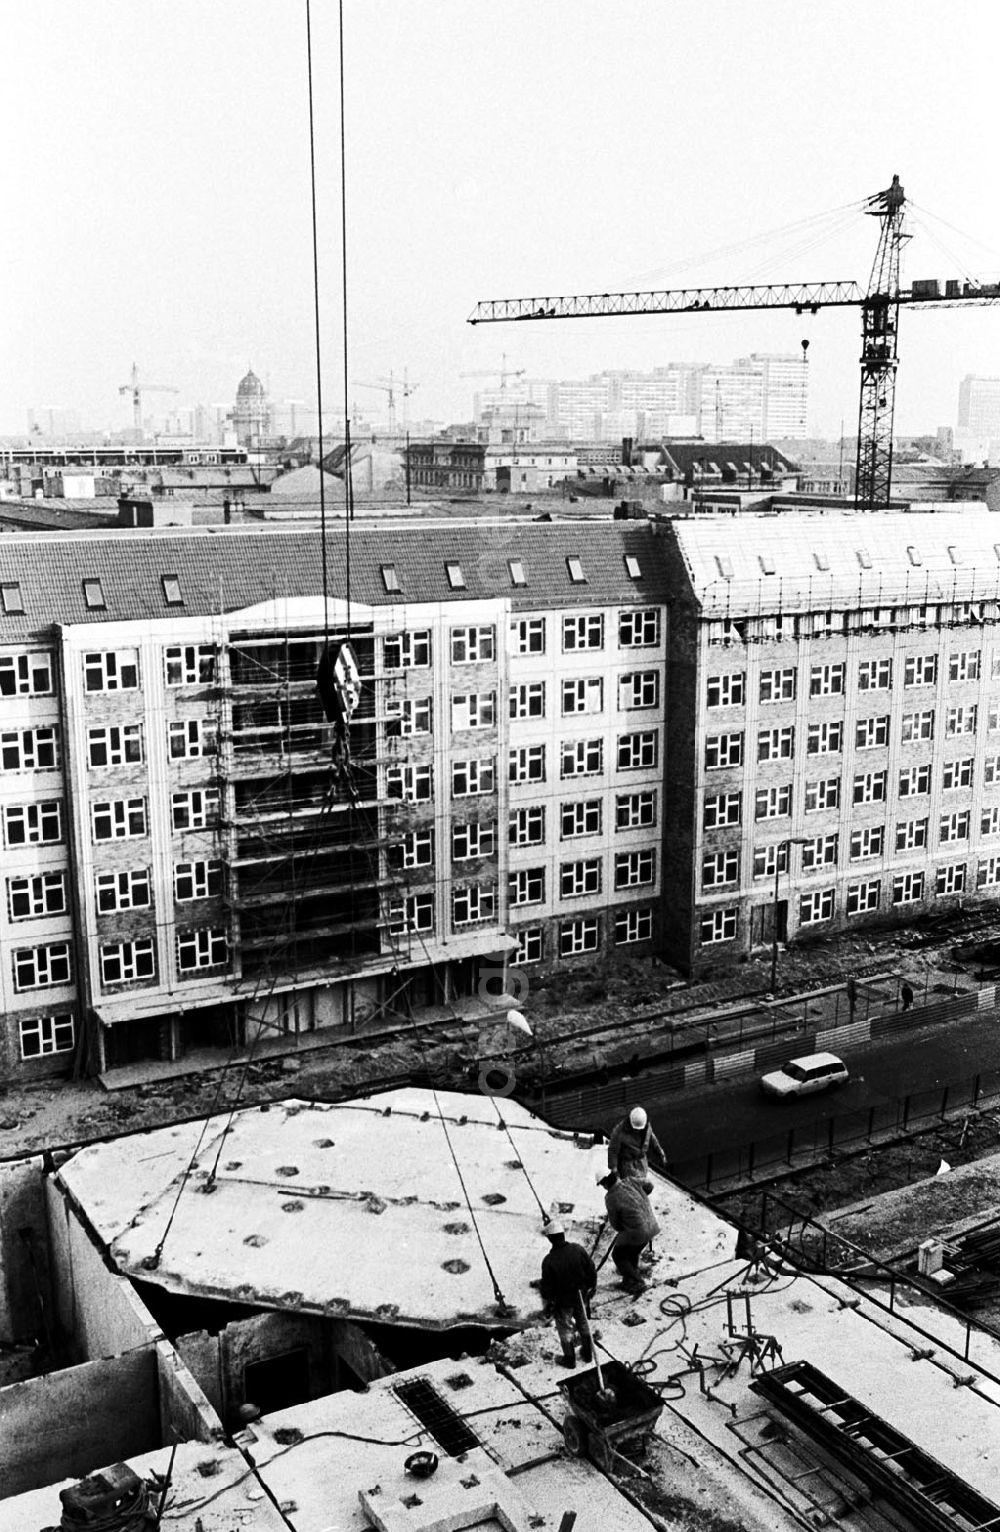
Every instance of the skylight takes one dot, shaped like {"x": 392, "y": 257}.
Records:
{"x": 11, "y": 599}
{"x": 517, "y": 574}
{"x": 766, "y": 563}
{"x": 914, "y": 556}
{"x": 456, "y": 578}
{"x": 575, "y": 568}
{"x": 390, "y": 579}
{"x": 724, "y": 566}
{"x": 632, "y": 567}
{"x": 864, "y": 558}
{"x": 822, "y": 561}
{"x": 93, "y": 595}
{"x": 172, "y": 593}
{"x": 955, "y": 554}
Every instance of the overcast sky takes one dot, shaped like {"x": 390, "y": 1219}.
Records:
{"x": 155, "y": 189}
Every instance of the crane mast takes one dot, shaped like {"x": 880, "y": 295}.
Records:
{"x": 879, "y": 357}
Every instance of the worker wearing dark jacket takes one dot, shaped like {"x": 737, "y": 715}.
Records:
{"x": 630, "y": 1145}
{"x": 568, "y": 1283}
{"x": 634, "y": 1223}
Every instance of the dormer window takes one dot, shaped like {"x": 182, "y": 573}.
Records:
{"x": 93, "y": 595}
{"x": 576, "y": 573}
{"x": 390, "y": 579}
{"x": 172, "y": 593}
{"x": 456, "y": 578}
{"x": 11, "y": 599}
{"x": 632, "y": 567}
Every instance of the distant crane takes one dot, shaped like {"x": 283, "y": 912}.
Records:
{"x": 504, "y": 373}
{"x": 879, "y": 306}
{"x": 137, "y": 390}
{"x": 390, "y": 387}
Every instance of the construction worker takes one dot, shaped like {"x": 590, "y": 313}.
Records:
{"x": 630, "y": 1144}
{"x": 634, "y": 1223}
{"x": 567, "y": 1286}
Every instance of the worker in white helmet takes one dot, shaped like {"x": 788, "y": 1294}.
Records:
{"x": 630, "y": 1145}
{"x": 568, "y": 1283}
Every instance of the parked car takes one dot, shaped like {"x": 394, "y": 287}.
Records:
{"x": 802, "y": 1076}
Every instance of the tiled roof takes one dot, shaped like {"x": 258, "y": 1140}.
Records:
{"x": 228, "y": 568}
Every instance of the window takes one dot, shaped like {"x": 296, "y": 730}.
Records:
{"x": 408, "y": 716}
{"x": 415, "y": 784}
{"x": 908, "y": 888}
{"x": 26, "y": 675}
{"x": 407, "y": 651}
{"x": 920, "y": 670}
{"x": 40, "y": 894}
{"x": 870, "y": 733}
{"x": 207, "y": 947}
{"x": 197, "y": 880}
{"x": 727, "y": 690}
{"x": 867, "y": 843}
{"x": 955, "y": 774}
{"x": 456, "y": 579}
{"x": 42, "y": 967}
{"x": 640, "y": 629}
{"x": 964, "y": 665}
{"x": 416, "y": 849}
{"x": 633, "y": 926}
{"x": 576, "y": 936}
{"x": 390, "y": 579}
{"x": 954, "y": 826}
{"x": 581, "y": 818}
{"x": 30, "y": 749}
{"x": 863, "y": 898}
{"x": 189, "y": 664}
{"x": 477, "y": 710}
{"x": 874, "y": 675}
{"x": 635, "y": 809}
{"x": 582, "y": 758}
{"x": 579, "y": 878}
{"x": 575, "y": 570}
{"x": 119, "y": 745}
{"x": 528, "y": 700}
{"x": 719, "y": 868}
{"x": 188, "y": 738}
{"x": 583, "y": 632}
{"x": 112, "y": 670}
{"x": 824, "y": 794}
{"x": 526, "y": 827}
{"x": 723, "y": 750}
{"x": 821, "y": 852}
{"x": 473, "y": 646}
{"x": 128, "y": 890}
{"x": 172, "y": 593}
{"x": 991, "y": 770}
{"x": 914, "y": 780}
{"x": 989, "y": 823}
{"x": 197, "y": 809}
{"x": 768, "y": 860}
{"x": 773, "y": 802}
{"x": 870, "y": 787}
{"x": 585, "y": 695}
{"x": 718, "y": 926}
{"x": 722, "y": 809}
{"x": 93, "y": 595}
{"x": 408, "y": 915}
{"x": 121, "y": 819}
{"x": 44, "y": 1035}
{"x": 517, "y": 574}
{"x": 816, "y": 907}
{"x": 950, "y": 879}
{"x": 777, "y": 685}
{"x": 825, "y": 738}
{"x": 470, "y": 841}
{"x": 472, "y": 905}
{"x": 527, "y": 764}
{"x": 528, "y": 634}
{"x": 632, "y": 567}
{"x": 33, "y": 824}
{"x": 916, "y": 726}
{"x": 826, "y": 680}
{"x": 776, "y": 744}
{"x": 127, "y": 962}
{"x": 911, "y": 834}
{"x": 993, "y": 718}
{"x": 639, "y": 751}
{"x": 530, "y": 945}
{"x": 526, "y": 886}
{"x": 633, "y": 869}
{"x": 960, "y": 720}
{"x": 638, "y": 690}
{"x": 11, "y": 600}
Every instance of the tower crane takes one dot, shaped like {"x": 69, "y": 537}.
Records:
{"x": 390, "y": 387}
{"x": 137, "y": 390}
{"x": 503, "y": 374}
{"x": 880, "y": 304}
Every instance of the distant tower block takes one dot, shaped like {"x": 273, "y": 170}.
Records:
{"x": 251, "y": 413}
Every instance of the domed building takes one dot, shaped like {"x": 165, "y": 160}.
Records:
{"x": 251, "y": 413}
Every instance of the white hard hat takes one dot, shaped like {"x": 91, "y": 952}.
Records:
{"x": 519, "y": 1022}
{"x": 637, "y": 1117}
{"x": 553, "y": 1227}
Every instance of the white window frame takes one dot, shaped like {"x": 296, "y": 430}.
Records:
{"x": 201, "y": 949}
{"x": 47, "y": 1035}
{"x": 778, "y": 685}
{"x": 863, "y": 898}
{"x": 639, "y": 629}
{"x": 583, "y": 631}
{"x": 950, "y": 879}
{"x": 581, "y": 758}
{"x": 410, "y": 914}
{"x": 728, "y": 689}
{"x": 37, "y": 824}
{"x": 908, "y": 888}
{"x": 111, "y": 670}
{"x": 875, "y": 675}
{"x": 638, "y": 752}
{"x": 581, "y": 818}
{"x": 579, "y": 936}
{"x": 961, "y": 720}
{"x": 199, "y": 804}
{"x": 26, "y": 675}
{"x": 915, "y": 781}
{"x": 473, "y": 710}
{"x": 920, "y": 670}
{"x": 189, "y": 664}
{"x": 135, "y": 960}
{"x": 580, "y": 878}
{"x": 828, "y": 680}
{"x": 911, "y": 834}
{"x": 473, "y": 839}
{"x": 954, "y": 827}
{"x": 719, "y": 925}
{"x": 527, "y": 700}
{"x": 528, "y": 635}
{"x": 410, "y": 650}
{"x": 821, "y": 795}
{"x": 964, "y": 665}
{"x": 415, "y": 783}
{"x": 722, "y": 809}
{"x": 129, "y": 889}
{"x": 530, "y": 945}
{"x": 120, "y": 745}
{"x": 773, "y": 802}
{"x": 776, "y": 744}
{"x": 870, "y": 787}
{"x": 475, "y": 645}
{"x": 526, "y": 826}
{"x": 719, "y": 869}
{"x": 36, "y": 749}
{"x": 526, "y": 763}
{"x": 582, "y": 695}
{"x": 817, "y": 906}
{"x": 43, "y": 894}
{"x": 867, "y": 841}
{"x": 476, "y": 902}
{"x": 825, "y": 738}
{"x": 50, "y": 964}
{"x": 192, "y": 738}
{"x": 872, "y": 733}
{"x": 200, "y": 879}
{"x": 526, "y": 885}
{"x": 633, "y": 925}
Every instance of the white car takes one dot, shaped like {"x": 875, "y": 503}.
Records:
{"x": 800, "y": 1077}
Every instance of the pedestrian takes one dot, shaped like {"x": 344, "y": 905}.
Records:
{"x": 569, "y": 1281}
{"x": 906, "y": 995}
{"x": 634, "y": 1223}
{"x": 852, "y": 995}
{"x": 630, "y": 1145}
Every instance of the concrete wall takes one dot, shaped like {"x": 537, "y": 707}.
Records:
{"x": 25, "y": 1286}
{"x": 186, "y": 1414}
{"x": 58, "y": 1426}
{"x": 98, "y": 1312}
